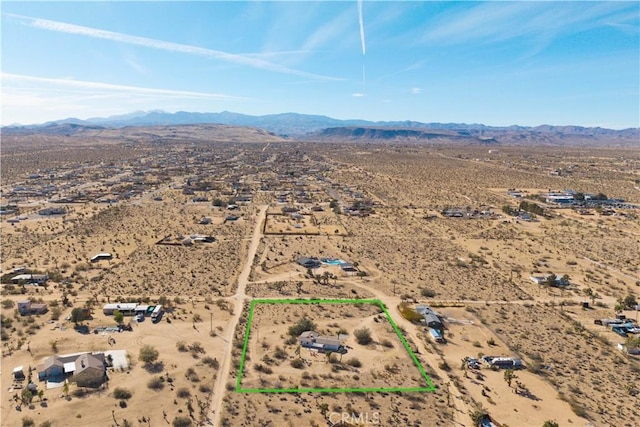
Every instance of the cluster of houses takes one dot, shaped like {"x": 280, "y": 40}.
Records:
{"x": 620, "y": 325}
{"x": 295, "y": 180}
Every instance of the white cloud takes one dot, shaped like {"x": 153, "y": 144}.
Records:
{"x": 63, "y": 27}
{"x": 30, "y": 99}
{"x": 416, "y": 90}
{"x": 97, "y": 87}
{"x": 499, "y": 21}
{"x": 357, "y": 95}
{"x": 331, "y": 32}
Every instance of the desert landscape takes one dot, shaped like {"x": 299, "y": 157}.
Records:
{"x": 463, "y": 243}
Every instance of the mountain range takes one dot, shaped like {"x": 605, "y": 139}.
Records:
{"x": 324, "y": 127}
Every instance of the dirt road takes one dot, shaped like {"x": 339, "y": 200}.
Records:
{"x": 238, "y": 300}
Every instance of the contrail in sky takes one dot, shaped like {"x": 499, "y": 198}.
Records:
{"x": 364, "y": 49}
{"x": 63, "y": 27}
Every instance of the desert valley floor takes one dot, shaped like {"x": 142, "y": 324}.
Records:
{"x": 203, "y": 223}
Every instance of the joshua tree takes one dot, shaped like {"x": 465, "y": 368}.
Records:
{"x": 324, "y": 408}
{"x": 464, "y": 366}
{"x": 509, "y": 376}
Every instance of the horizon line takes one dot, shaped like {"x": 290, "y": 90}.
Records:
{"x": 373, "y": 122}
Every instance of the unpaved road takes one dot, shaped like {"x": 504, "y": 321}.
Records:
{"x": 238, "y": 299}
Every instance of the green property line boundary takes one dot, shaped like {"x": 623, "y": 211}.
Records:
{"x": 379, "y": 303}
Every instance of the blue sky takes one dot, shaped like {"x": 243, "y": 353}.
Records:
{"x": 497, "y": 63}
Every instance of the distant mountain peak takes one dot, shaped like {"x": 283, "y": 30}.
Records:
{"x": 319, "y": 126}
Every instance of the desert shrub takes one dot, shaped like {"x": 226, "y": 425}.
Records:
{"x": 387, "y": 343}
{"x": 444, "y": 366}
{"x": 297, "y": 363}
{"x": 183, "y": 393}
{"x": 304, "y": 324}
{"x": 210, "y": 361}
{"x": 204, "y": 388}
{"x": 427, "y": 293}
{"x": 8, "y": 303}
{"x": 28, "y": 422}
{"x": 181, "y": 422}
{"x": 263, "y": 368}
{"x": 355, "y": 362}
{"x": 156, "y": 383}
{"x": 577, "y": 408}
{"x": 182, "y": 346}
{"x": 291, "y": 340}
{"x": 46, "y": 423}
{"x": 491, "y": 342}
{"x": 363, "y": 336}
{"x": 148, "y": 354}
{"x": 121, "y": 393}
{"x": 196, "y": 347}
{"x": 393, "y": 368}
{"x": 409, "y": 313}
{"x": 279, "y": 353}
{"x": 191, "y": 375}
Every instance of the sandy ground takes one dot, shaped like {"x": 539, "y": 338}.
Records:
{"x": 164, "y": 336}
{"x": 405, "y": 249}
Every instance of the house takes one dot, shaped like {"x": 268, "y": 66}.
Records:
{"x": 542, "y": 280}
{"x": 52, "y": 369}
{"x": 560, "y": 198}
{"x": 348, "y": 267}
{"x": 503, "y": 362}
{"x": 307, "y": 262}
{"x": 431, "y": 318}
{"x": 28, "y": 278}
{"x": 127, "y": 309}
{"x": 52, "y": 211}
{"x": 26, "y": 307}
{"x": 315, "y": 341}
{"x": 433, "y": 321}
{"x": 85, "y": 369}
{"x": 101, "y": 256}
{"x": 18, "y": 373}
{"x": 90, "y": 370}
